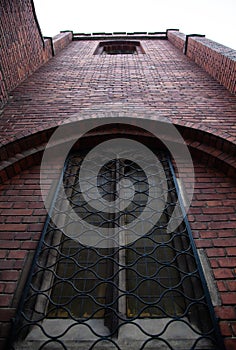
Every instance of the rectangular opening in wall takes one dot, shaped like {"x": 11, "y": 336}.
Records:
{"x": 116, "y": 47}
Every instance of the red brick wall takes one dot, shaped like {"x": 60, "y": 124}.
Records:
{"x": 218, "y": 60}
{"x": 22, "y": 215}
{"x": 3, "y": 89}
{"x": 162, "y": 82}
{"x": 213, "y": 221}
{"x": 22, "y": 47}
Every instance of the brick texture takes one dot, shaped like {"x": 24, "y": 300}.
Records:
{"x": 16, "y": 238}
{"x": 76, "y": 80}
{"x": 177, "y": 38}
{"x": 213, "y": 226}
{"x": 218, "y": 60}
{"x": 23, "y": 49}
{"x": 60, "y": 41}
{"x": 162, "y": 82}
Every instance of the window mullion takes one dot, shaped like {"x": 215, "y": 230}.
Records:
{"x": 111, "y": 313}
{"x": 122, "y": 243}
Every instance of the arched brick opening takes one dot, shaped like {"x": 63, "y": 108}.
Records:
{"x": 211, "y": 215}
{"x": 25, "y": 149}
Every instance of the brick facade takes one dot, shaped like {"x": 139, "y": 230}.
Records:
{"x": 212, "y": 219}
{"x": 163, "y": 82}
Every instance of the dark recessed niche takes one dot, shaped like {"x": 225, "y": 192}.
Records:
{"x": 116, "y": 47}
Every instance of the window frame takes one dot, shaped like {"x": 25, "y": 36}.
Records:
{"x": 41, "y": 303}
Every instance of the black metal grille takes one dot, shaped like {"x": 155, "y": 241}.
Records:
{"x": 147, "y": 294}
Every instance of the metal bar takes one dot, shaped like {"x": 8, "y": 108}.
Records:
{"x": 119, "y": 37}
{"x": 51, "y": 44}
{"x": 190, "y": 36}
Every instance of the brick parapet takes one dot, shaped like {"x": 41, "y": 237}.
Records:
{"x": 61, "y": 40}
{"x": 23, "y": 49}
{"x": 22, "y": 46}
{"x": 177, "y": 39}
{"x": 219, "y": 61}
{"x": 216, "y": 59}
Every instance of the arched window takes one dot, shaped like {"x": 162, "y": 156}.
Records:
{"x": 148, "y": 293}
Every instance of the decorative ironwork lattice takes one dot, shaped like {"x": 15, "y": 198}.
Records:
{"x": 147, "y": 294}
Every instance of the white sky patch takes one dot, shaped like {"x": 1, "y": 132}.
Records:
{"x": 214, "y": 18}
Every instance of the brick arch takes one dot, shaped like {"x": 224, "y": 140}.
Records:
{"x": 211, "y": 216}
{"x": 121, "y": 111}
{"x": 26, "y": 148}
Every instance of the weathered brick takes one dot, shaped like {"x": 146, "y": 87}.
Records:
{"x": 233, "y": 325}
{"x": 13, "y": 227}
{"x": 29, "y": 245}
{"x": 203, "y": 243}
{"x": 230, "y": 343}
{"x": 222, "y": 225}
{"x": 10, "y": 287}
{"x": 7, "y": 264}
{"x": 225, "y": 329}
{"x": 223, "y": 273}
{"x": 228, "y": 298}
{"x": 231, "y": 251}
{"x": 219, "y": 210}
{"x": 227, "y": 262}
{"x": 9, "y": 275}
{"x": 21, "y": 212}
{"x": 221, "y": 286}
{"x": 5, "y": 300}
{"x": 231, "y": 285}
{"x": 8, "y": 244}
{"x": 215, "y": 252}
{"x": 6, "y": 314}
{"x": 224, "y": 242}
{"x": 17, "y": 254}
{"x": 226, "y": 312}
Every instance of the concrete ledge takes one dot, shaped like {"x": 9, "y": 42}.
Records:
{"x": 132, "y": 335}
